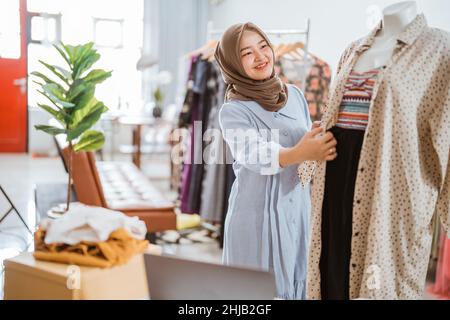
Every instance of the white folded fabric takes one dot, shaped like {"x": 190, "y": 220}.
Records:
{"x": 86, "y": 223}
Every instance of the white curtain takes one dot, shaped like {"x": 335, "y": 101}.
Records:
{"x": 172, "y": 28}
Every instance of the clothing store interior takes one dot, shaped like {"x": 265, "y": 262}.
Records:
{"x": 117, "y": 180}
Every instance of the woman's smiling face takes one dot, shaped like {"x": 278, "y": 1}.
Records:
{"x": 256, "y": 56}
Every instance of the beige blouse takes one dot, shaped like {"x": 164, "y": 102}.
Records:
{"x": 404, "y": 170}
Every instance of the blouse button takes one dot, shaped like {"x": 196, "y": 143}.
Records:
{"x": 285, "y": 133}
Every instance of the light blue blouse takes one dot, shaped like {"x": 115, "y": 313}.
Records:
{"x": 267, "y": 223}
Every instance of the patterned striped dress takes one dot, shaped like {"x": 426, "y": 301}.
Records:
{"x": 354, "y": 109}
{"x": 340, "y": 177}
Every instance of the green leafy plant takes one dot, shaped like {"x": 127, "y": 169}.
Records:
{"x": 158, "y": 96}
{"x": 70, "y": 91}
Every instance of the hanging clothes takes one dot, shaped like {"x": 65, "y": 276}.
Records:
{"x": 340, "y": 183}
{"x": 316, "y": 82}
{"x": 203, "y": 189}
{"x": 317, "y": 86}
{"x": 180, "y": 142}
{"x": 199, "y": 123}
{"x": 213, "y": 197}
{"x": 185, "y": 120}
{"x": 441, "y": 286}
{"x": 404, "y": 169}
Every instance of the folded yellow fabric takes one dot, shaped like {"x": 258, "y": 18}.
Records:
{"x": 118, "y": 249}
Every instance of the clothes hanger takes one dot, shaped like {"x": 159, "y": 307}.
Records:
{"x": 296, "y": 51}
{"x": 208, "y": 54}
{"x": 284, "y": 48}
{"x": 208, "y": 45}
{"x": 278, "y": 48}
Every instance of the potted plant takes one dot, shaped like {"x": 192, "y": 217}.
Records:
{"x": 163, "y": 78}
{"x": 70, "y": 91}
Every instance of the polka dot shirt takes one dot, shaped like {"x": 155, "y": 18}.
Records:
{"x": 403, "y": 178}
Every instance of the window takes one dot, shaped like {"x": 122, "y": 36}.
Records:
{"x": 108, "y": 33}
{"x": 9, "y": 29}
{"x": 116, "y": 28}
{"x": 45, "y": 27}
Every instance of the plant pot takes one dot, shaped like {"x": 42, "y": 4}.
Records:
{"x": 157, "y": 111}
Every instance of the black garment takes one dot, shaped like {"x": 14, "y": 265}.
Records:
{"x": 337, "y": 214}
{"x": 186, "y": 112}
{"x": 200, "y": 115}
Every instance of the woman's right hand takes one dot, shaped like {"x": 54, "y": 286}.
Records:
{"x": 316, "y": 145}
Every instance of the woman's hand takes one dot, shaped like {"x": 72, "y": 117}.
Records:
{"x": 315, "y": 145}
{"x": 316, "y": 124}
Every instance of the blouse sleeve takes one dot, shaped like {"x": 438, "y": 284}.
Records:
{"x": 250, "y": 147}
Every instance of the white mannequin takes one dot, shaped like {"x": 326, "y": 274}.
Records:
{"x": 395, "y": 19}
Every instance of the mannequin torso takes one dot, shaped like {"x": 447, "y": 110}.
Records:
{"x": 395, "y": 19}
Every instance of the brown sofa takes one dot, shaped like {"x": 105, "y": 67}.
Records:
{"x": 120, "y": 186}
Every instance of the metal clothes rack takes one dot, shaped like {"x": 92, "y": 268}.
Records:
{"x": 12, "y": 208}
{"x": 304, "y": 33}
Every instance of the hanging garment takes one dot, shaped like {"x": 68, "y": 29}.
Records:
{"x": 434, "y": 253}
{"x": 200, "y": 121}
{"x": 441, "y": 286}
{"x": 294, "y": 71}
{"x": 267, "y": 222}
{"x": 404, "y": 169}
{"x": 317, "y": 86}
{"x": 189, "y": 115}
{"x": 178, "y": 138}
{"x": 213, "y": 197}
{"x": 316, "y": 75}
{"x": 186, "y": 175}
{"x": 337, "y": 208}
{"x": 184, "y": 121}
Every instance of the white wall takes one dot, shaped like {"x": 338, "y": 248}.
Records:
{"x": 334, "y": 24}
{"x": 173, "y": 28}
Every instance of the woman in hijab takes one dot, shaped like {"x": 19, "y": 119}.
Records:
{"x": 266, "y": 125}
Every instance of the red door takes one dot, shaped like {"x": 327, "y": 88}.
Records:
{"x": 13, "y": 76}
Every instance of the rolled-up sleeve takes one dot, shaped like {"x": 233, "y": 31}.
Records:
{"x": 256, "y": 150}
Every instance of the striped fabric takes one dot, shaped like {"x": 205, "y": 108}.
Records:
{"x": 354, "y": 108}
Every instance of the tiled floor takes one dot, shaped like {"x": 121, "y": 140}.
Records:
{"x": 18, "y": 175}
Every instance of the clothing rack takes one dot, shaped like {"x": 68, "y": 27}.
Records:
{"x": 11, "y": 209}
{"x": 212, "y": 33}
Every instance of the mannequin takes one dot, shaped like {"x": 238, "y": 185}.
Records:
{"x": 389, "y": 110}
{"x": 395, "y": 19}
